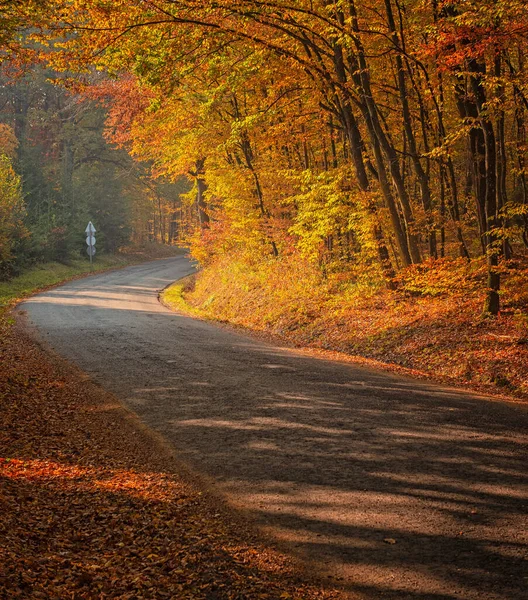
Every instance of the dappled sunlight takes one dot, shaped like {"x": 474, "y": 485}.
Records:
{"x": 259, "y": 423}
{"x": 463, "y": 434}
{"x": 361, "y": 482}
{"x": 350, "y": 467}
{"x": 263, "y": 445}
{"x": 78, "y": 478}
{"x": 95, "y": 301}
{"x": 375, "y": 532}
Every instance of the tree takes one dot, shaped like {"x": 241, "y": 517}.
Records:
{"x": 12, "y": 211}
{"x": 406, "y": 108}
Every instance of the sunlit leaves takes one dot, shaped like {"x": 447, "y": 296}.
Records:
{"x": 12, "y": 211}
{"x": 263, "y": 92}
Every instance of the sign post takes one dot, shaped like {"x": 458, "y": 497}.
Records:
{"x": 90, "y": 241}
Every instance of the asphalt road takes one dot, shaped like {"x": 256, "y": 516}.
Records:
{"x": 397, "y": 488}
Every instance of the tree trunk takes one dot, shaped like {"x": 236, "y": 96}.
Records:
{"x": 377, "y": 131}
{"x": 421, "y": 175}
{"x": 491, "y": 221}
{"x": 201, "y": 188}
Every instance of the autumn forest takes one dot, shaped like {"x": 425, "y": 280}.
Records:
{"x": 368, "y": 147}
{"x": 263, "y": 299}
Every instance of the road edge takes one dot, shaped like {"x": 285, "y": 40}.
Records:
{"x": 184, "y": 308}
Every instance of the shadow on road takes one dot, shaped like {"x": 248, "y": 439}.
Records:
{"x": 399, "y": 489}
{"x": 402, "y": 489}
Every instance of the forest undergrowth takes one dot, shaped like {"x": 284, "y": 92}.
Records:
{"x": 431, "y": 324}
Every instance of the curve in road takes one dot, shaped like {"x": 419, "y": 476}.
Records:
{"x": 397, "y": 488}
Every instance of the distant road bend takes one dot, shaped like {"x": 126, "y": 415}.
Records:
{"x": 396, "y": 488}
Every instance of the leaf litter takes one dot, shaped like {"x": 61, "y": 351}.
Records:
{"x": 92, "y": 507}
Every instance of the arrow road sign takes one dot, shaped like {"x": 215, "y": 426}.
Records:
{"x": 90, "y": 241}
{"x": 90, "y": 229}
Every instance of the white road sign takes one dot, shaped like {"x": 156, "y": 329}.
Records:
{"x": 90, "y": 241}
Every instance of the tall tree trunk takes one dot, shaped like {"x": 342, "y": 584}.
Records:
{"x": 377, "y": 131}
{"x": 201, "y": 188}
{"x": 265, "y": 214}
{"x": 421, "y": 175}
{"x": 343, "y": 103}
{"x": 491, "y": 220}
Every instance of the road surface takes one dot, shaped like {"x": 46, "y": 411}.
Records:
{"x": 397, "y": 488}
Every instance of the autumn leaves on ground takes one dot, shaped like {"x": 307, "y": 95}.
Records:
{"x": 92, "y": 506}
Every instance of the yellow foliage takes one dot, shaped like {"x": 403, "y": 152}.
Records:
{"x": 8, "y": 141}
{"x": 12, "y": 211}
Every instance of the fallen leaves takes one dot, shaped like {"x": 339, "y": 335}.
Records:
{"x": 90, "y": 506}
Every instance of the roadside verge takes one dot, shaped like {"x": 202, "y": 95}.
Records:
{"x": 486, "y": 356}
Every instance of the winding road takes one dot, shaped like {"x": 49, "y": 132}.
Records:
{"x": 393, "y": 487}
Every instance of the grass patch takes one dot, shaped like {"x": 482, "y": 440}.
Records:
{"x": 174, "y": 297}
